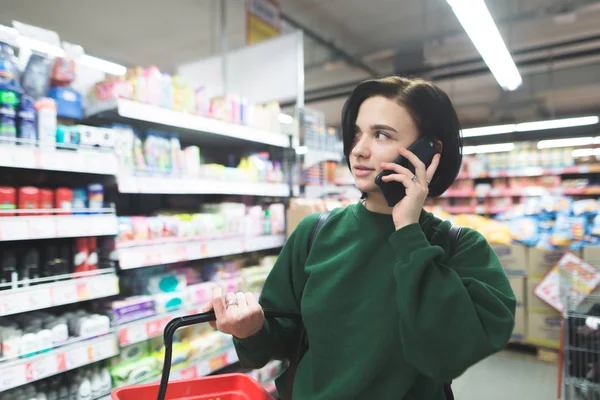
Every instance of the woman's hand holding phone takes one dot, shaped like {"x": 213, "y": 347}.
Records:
{"x": 408, "y": 210}
{"x": 238, "y": 314}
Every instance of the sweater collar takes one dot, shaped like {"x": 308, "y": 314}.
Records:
{"x": 383, "y": 220}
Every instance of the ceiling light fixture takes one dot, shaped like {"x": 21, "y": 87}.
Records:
{"x": 479, "y": 25}
{"x": 567, "y": 142}
{"x": 488, "y": 148}
{"x": 530, "y": 126}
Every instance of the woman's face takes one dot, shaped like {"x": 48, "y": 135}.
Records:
{"x": 382, "y": 127}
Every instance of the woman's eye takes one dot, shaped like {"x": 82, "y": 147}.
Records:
{"x": 381, "y": 135}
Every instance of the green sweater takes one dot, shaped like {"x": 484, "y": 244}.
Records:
{"x": 388, "y": 314}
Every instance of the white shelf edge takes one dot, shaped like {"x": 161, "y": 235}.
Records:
{"x": 56, "y": 226}
{"x": 160, "y": 185}
{"x": 39, "y": 297}
{"x": 148, "y": 113}
{"x": 80, "y": 161}
{"x": 31, "y": 369}
{"x": 140, "y": 257}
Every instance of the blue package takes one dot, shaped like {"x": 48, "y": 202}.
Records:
{"x": 68, "y": 102}
{"x": 568, "y": 229}
{"x": 79, "y": 200}
{"x": 27, "y": 128}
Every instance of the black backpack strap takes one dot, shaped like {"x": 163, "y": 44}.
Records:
{"x": 318, "y": 226}
{"x": 297, "y": 351}
{"x": 455, "y": 231}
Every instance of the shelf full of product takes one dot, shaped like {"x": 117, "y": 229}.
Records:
{"x": 78, "y": 315}
{"x": 496, "y": 183}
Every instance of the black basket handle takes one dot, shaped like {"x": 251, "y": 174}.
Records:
{"x": 188, "y": 320}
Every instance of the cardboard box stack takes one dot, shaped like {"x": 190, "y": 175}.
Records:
{"x": 514, "y": 260}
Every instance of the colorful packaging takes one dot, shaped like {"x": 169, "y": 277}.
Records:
{"x": 568, "y": 229}
{"x": 525, "y": 230}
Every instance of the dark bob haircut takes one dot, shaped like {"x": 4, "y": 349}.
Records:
{"x": 433, "y": 114}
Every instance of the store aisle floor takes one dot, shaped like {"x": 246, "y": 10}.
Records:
{"x": 508, "y": 375}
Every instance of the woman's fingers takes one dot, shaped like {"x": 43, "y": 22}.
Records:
{"x": 397, "y": 169}
{"x": 435, "y": 163}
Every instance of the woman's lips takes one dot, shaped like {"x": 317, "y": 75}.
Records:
{"x": 363, "y": 171}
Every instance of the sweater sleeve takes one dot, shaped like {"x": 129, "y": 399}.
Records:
{"x": 282, "y": 291}
{"x": 453, "y": 313}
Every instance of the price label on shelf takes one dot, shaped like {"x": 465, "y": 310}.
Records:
{"x": 13, "y": 376}
{"x": 14, "y": 303}
{"x": 188, "y": 373}
{"x": 218, "y": 362}
{"x": 39, "y": 298}
{"x": 14, "y": 228}
{"x": 153, "y": 328}
{"x": 77, "y": 357}
{"x": 103, "y": 349}
{"x": 102, "y": 287}
{"x": 42, "y": 367}
{"x": 133, "y": 334}
{"x": 66, "y": 294}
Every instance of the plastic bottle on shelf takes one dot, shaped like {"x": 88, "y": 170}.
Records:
{"x": 8, "y": 117}
{"x": 79, "y": 201}
{"x": 27, "y": 130}
{"x": 95, "y": 196}
{"x": 46, "y": 122}
{"x": 92, "y": 260}
{"x": 96, "y": 382}
{"x": 29, "y": 266}
{"x": 82, "y": 253}
{"x": 85, "y": 389}
{"x": 8, "y": 200}
{"x": 8, "y": 268}
{"x": 105, "y": 379}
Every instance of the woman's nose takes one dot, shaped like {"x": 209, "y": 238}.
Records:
{"x": 361, "y": 148}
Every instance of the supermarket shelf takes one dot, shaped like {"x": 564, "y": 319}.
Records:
{"x": 313, "y": 191}
{"x": 316, "y": 156}
{"x": 27, "y": 370}
{"x": 147, "y": 328}
{"x": 148, "y": 113}
{"x": 145, "y": 256}
{"x": 83, "y": 161}
{"x": 207, "y": 366}
{"x": 57, "y": 226}
{"x": 159, "y": 185}
{"x": 481, "y": 210}
{"x": 534, "y": 171}
{"x": 41, "y": 296}
{"x": 525, "y": 192}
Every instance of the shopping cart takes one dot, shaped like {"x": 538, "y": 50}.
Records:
{"x": 220, "y": 387}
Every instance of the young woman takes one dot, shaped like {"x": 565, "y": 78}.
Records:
{"x": 389, "y": 312}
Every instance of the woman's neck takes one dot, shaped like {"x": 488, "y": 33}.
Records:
{"x": 375, "y": 202}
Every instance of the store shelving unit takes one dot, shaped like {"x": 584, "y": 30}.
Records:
{"x": 133, "y": 110}
{"x": 178, "y": 251}
{"x": 41, "y": 295}
{"x": 99, "y": 222}
{"x": 533, "y": 171}
{"x": 80, "y": 161}
{"x": 31, "y": 369}
{"x": 159, "y": 185}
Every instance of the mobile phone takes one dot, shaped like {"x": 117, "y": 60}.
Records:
{"x": 393, "y": 192}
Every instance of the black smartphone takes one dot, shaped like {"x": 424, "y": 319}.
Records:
{"x": 393, "y": 192}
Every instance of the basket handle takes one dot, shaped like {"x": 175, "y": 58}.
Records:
{"x": 188, "y": 320}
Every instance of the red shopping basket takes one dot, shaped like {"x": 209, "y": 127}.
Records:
{"x": 219, "y": 387}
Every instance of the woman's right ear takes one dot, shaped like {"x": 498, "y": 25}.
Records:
{"x": 439, "y": 145}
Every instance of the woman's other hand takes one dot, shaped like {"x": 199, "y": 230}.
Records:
{"x": 238, "y": 314}
{"x": 408, "y": 210}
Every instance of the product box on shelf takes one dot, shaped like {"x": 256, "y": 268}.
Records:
{"x": 520, "y": 329}
{"x": 513, "y": 257}
{"x": 543, "y": 328}
{"x": 519, "y": 287}
{"x": 540, "y": 261}
{"x": 591, "y": 255}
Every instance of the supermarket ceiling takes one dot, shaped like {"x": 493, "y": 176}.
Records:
{"x": 555, "y": 44}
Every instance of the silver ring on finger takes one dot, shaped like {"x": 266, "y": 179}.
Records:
{"x": 414, "y": 178}
{"x": 428, "y": 182}
{"x": 231, "y": 302}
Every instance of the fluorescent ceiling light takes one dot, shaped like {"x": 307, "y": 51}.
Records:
{"x": 488, "y": 148}
{"x": 489, "y": 130}
{"x": 557, "y": 123}
{"x": 530, "y": 126}
{"x": 568, "y": 142}
{"x": 477, "y": 21}
{"x": 286, "y": 119}
{"x": 585, "y": 152}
